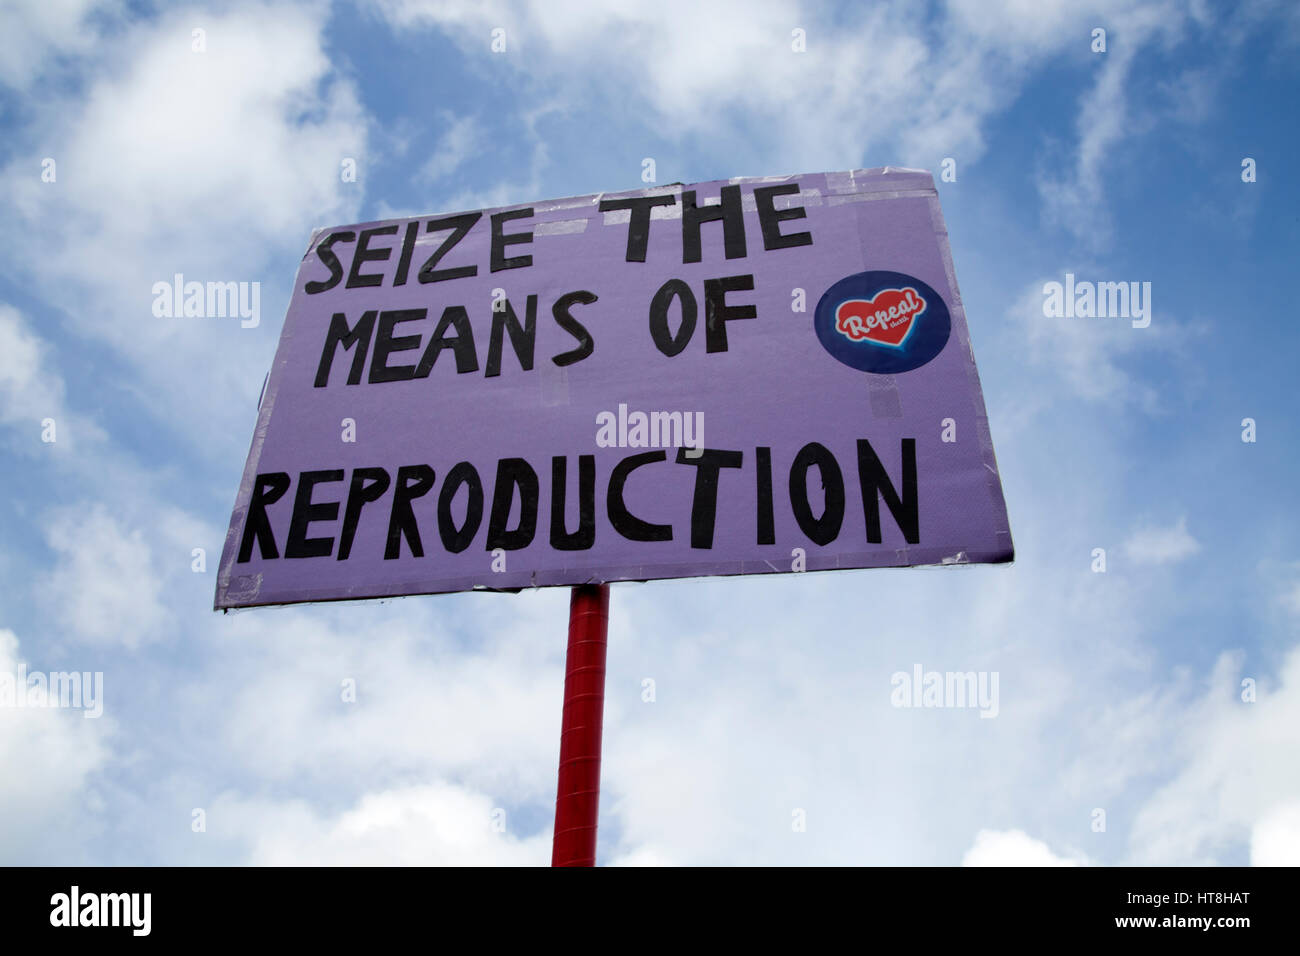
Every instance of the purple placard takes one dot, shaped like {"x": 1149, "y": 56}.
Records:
{"x": 751, "y": 376}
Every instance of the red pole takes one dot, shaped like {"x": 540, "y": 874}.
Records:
{"x": 577, "y": 798}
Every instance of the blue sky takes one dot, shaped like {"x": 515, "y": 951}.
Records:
{"x": 1119, "y": 691}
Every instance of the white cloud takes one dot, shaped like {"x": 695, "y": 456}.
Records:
{"x": 29, "y": 388}
{"x": 645, "y": 856}
{"x": 1232, "y": 772}
{"x": 31, "y": 34}
{"x": 1289, "y": 595}
{"x": 108, "y": 586}
{"x": 1089, "y": 356}
{"x": 486, "y": 712}
{"x": 32, "y": 390}
{"x": 760, "y": 711}
{"x": 1073, "y": 186}
{"x": 693, "y": 65}
{"x": 1011, "y": 848}
{"x": 49, "y": 756}
{"x": 208, "y": 164}
{"x": 1075, "y": 198}
{"x": 876, "y": 85}
{"x": 1275, "y": 839}
{"x": 462, "y": 138}
{"x": 522, "y": 187}
{"x": 437, "y": 824}
{"x": 1158, "y": 545}
{"x": 759, "y": 714}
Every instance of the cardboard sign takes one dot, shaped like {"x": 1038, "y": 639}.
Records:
{"x": 752, "y": 376}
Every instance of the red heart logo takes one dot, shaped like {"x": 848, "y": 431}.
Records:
{"x": 886, "y": 318}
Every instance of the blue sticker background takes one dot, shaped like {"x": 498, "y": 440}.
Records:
{"x": 928, "y": 336}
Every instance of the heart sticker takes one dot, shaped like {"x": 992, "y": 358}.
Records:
{"x": 882, "y": 322}
{"x": 886, "y": 318}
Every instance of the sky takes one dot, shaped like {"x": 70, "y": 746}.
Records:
{"x": 1148, "y": 713}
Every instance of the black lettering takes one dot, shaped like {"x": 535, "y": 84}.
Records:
{"x": 876, "y": 485}
{"x": 408, "y": 247}
{"x": 585, "y": 536}
{"x": 298, "y": 545}
{"x": 385, "y": 344}
{"x": 413, "y": 481}
{"x": 638, "y": 226}
{"x": 456, "y": 539}
{"x": 704, "y": 505}
{"x": 461, "y": 344}
{"x": 624, "y": 522}
{"x": 664, "y": 340}
{"x": 267, "y": 490}
{"x": 523, "y": 338}
{"x": 513, "y": 473}
{"x": 770, "y": 218}
{"x": 499, "y": 261}
{"x": 717, "y": 312}
{"x": 325, "y": 252}
{"x": 822, "y": 530}
{"x": 728, "y": 209}
{"x": 766, "y": 515}
{"x": 359, "y": 494}
{"x": 340, "y": 334}
{"x": 364, "y": 254}
{"x": 565, "y": 320}
{"x": 459, "y": 225}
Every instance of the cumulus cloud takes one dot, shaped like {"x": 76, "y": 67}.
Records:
{"x": 208, "y": 164}
{"x": 49, "y": 756}
{"x": 1275, "y": 839}
{"x": 31, "y": 34}
{"x": 29, "y": 388}
{"x": 644, "y": 856}
{"x": 773, "y": 697}
{"x": 464, "y": 135}
{"x": 436, "y": 824}
{"x": 32, "y": 390}
{"x": 104, "y": 588}
{"x": 922, "y": 93}
{"x": 781, "y": 745}
{"x": 1154, "y": 544}
{"x": 111, "y": 581}
{"x": 1229, "y": 789}
{"x": 1092, "y": 357}
{"x": 1289, "y": 595}
{"x": 1075, "y": 198}
{"x": 478, "y": 702}
{"x": 1011, "y": 848}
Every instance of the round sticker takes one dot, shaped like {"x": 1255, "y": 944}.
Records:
{"x": 882, "y": 322}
